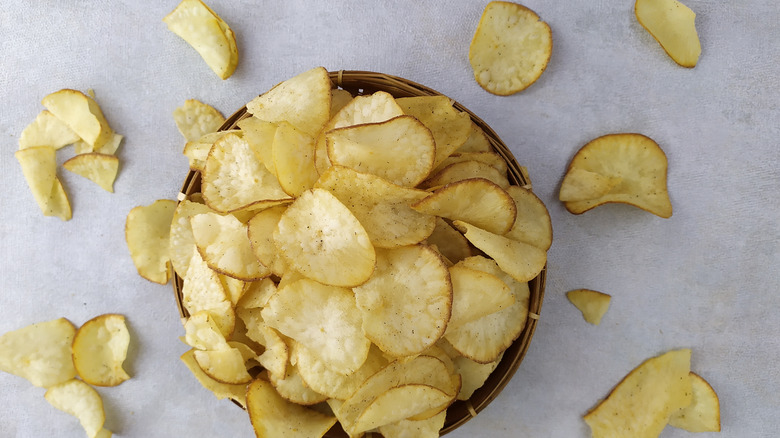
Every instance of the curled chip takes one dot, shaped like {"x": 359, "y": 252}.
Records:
{"x": 476, "y": 294}
{"x": 98, "y": 168}
{"x": 293, "y": 158}
{"x": 622, "y": 168}
{"x": 196, "y": 119}
{"x": 82, "y": 401}
{"x": 40, "y": 353}
{"x": 221, "y": 390}
{"x": 533, "y": 224}
{"x": 428, "y": 428}
{"x": 673, "y": 25}
{"x": 261, "y": 236}
{"x": 273, "y": 416}
{"x": 450, "y": 128}
{"x": 181, "y": 240}
{"x": 203, "y": 290}
{"x": 510, "y": 49}
{"x": 100, "y": 349}
{"x": 703, "y": 414}
{"x": 147, "y": 231}
{"x": 224, "y": 244}
{"x": 47, "y": 130}
{"x": 463, "y": 170}
{"x": 82, "y": 115}
{"x": 400, "y": 403}
{"x": 207, "y": 33}
{"x": 591, "y": 303}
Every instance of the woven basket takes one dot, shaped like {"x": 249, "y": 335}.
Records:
{"x": 364, "y": 82}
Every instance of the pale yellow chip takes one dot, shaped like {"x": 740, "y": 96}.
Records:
{"x": 477, "y": 141}
{"x": 293, "y": 156}
{"x": 634, "y": 167}
{"x": 428, "y": 428}
{"x": 257, "y": 294}
{"x": 100, "y": 349}
{"x": 703, "y": 414}
{"x": 476, "y": 294}
{"x": 181, "y": 241}
{"x": 407, "y": 302}
{"x": 642, "y": 403}
{"x": 273, "y": 416}
{"x": 533, "y": 224}
{"x": 673, "y": 25}
{"x": 484, "y": 339}
{"x": 450, "y": 127}
{"x": 319, "y": 237}
{"x": 224, "y": 365}
{"x": 234, "y": 288}
{"x": 203, "y": 290}
{"x": 196, "y": 119}
{"x": 476, "y": 201}
{"x": 591, "y": 303}
{"x": 373, "y": 108}
{"x": 207, "y": 33}
{"x": 197, "y": 151}
{"x": 401, "y": 150}
{"x": 510, "y": 49}
{"x": 234, "y": 179}
{"x": 292, "y": 388}
{"x": 261, "y": 231}
{"x": 339, "y": 98}
{"x": 399, "y": 403}
{"x": 383, "y": 208}
{"x": 82, "y": 115}
{"x": 47, "y": 130}
{"x": 111, "y": 145}
{"x": 203, "y": 333}
{"x": 583, "y": 185}
{"x": 303, "y": 101}
{"x": 58, "y": 204}
{"x": 98, "y": 168}
{"x": 491, "y": 158}
{"x": 319, "y": 377}
{"x": 221, "y": 390}
{"x": 276, "y": 356}
{"x": 325, "y": 319}
{"x": 474, "y": 374}
{"x": 224, "y": 244}
{"x": 80, "y": 400}
{"x": 466, "y": 170}
{"x": 518, "y": 259}
{"x": 40, "y": 353}
{"x": 39, "y": 166}
{"x": 450, "y": 243}
{"x": 147, "y": 231}
{"x": 260, "y": 136}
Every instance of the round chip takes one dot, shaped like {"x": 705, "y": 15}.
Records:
{"x": 196, "y": 119}
{"x": 225, "y": 365}
{"x": 510, "y": 49}
{"x": 407, "y": 302}
{"x": 319, "y": 377}
{"x": 450, "y": 128}
{"x": 80, "y": 400}
{"x": 100, "y": 349}
{"x": 147, "y": 234}
{"x": 400, "y": 403}
{"x": 224, "y": 244}
{"x": 40, "y": 353}
{"x": 533, "y": 224}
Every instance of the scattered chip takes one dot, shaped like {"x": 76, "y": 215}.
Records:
{"x": 632, "y": 167}
{"x": 474, "y": 374}
{"x": 450, "y": 127}
{"x": 273, "y": 416}
{"x": 181, "y": 241}
{"x": 40, "y": 353}
{"x": 82, "y": 115}
{"x": 591, "y": 303}
{"x": 196, "y": 119}
{"x": 703, "y": 414}
{"x": 147, "y": 231}
{"x": 642, "y": 403}
{"x": 197, "y": 151}
{"x": 39, "y": 166}
{"x": 100, "y": 349}
{"x": 673, "y": 25}
{"x": 510, "y": 49}
{"x": 98, "y": 168}
{"x": 207, "y": 33}
{"x": 80, "y": 400}
{"x": 224, "y": 244}
{"x": 47, "y": 130}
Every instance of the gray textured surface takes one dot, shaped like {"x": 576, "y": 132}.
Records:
{"x": 706, "y": 279}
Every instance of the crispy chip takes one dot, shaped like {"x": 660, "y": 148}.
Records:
{"x": 641, "y": 404}
{"x": 260, "y": 136}
{"x": 47, "y": 130}
{"x": 476, "y": 142}
{"x": 303, "y": 101}
{"x": 82, "y": 115}
{"x": 319, "y": 377}
{"x": 40, "y": 353}
{"x": 476, "y": 294}
{"x": 257, "y": 294}
{"x": 261, "y": 236}
{"x": 636, "y": 165}
{"x": 466, "y": 170}
{"x": 236, "y": 393}
{"x": 98, "y": 168}
{"x": 476, "y": 201}
{"x": 491, "y": 158}
{"x": 224, "y": 244}
{"x": 703, "y": 414}
{"x": 80, "y": 400}
{"x": 591, "y": 303}
{"x": 383, "y": 208}
{"x": 293, "y": 389}
{"x": 319, "y": 237}
{"x": 202, "y": 290}
{"x": 293, "y": 156}
{"x": 339, "y": 98}
{"x": 58, "y": 204}
{"x": 510, "y": 49}
{"x": 450, "y": 243}
{"x": 583, "y": 185}
{"x": 407, "y": 302}
{"x": 474, "y": 374}
{"x": 147, "y": 231}
{"x": 111, "y": 145}
{"x": 428, "y": 428}
{"x": 450, "y": 127}
{"x": 203, "y": 333}
{"x": 401, "y": 149}
{"x": 673, "y": 25}
{"x": 39, "y": 166}
{"x": 276, "y": 355}
{"x": 533, "y": 224}
{"x": 272, "y": 416}
{"x": 207, "y": 33}
{"x": 196, "y": 119}
{"x": 224, "y": 365}
{"x": 399, "y": 403}
{"x": 181, "y": 241}
{"x": 197, "y": 151}
{"x": 100, "y": 349}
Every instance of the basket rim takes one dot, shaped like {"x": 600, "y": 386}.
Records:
{"x": 364, "y": 82}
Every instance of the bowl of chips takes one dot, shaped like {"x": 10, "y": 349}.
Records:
{"x": 404, "y": 235}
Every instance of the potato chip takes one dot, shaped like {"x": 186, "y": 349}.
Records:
{"x": 82, "y": 115}
{"x": 583, "y": 185}
{"x": 450, "y": 127}
{"x": 533, "y": 224}
{"x": 477, "y": 141}
{"x": 518, "y": 259}
{"x": 383, "y": 208}
{"x": 303, "y": 101}
{"x": 147, "y": 231}
{"x": 510, "y": 49}
{"x": 80, "y": 400}
{"x": 450, "y": 243}
{"x": 99, "y": 350}
{"x": 276, "y": 356}
{"x": 261, "y": 231}
{"x": 673, "y": 25}
{"x": 39, "y": 352}
{"x": 224, "y": 244}
{"x": 703, "y": 414}
{"x": 484, "y": 339}
{"x": 339, "y": 98}
{"x": 272, "y": 416}
{"x": 260, "y": 136}
{"x": 399, "y": 403}
{"x": 207, "y": 33}
{"x": 234, "y": 179}
{"x": 466, "y": 170}
{"x": 476, "y": 201}
{"x": 58, "y": 204}
{"x": 591, "y": 303}
{"x": 476, "y": 294}
{"x": 415, "y": 429}
{"x": 234, "y": 288}
{"x": 293, "y": 389}
{"x": 474, "y": 374}
{"x": 293, "y": 155}
{"x": 319, "y": 377}
{"x": 224, "y": 365}
{"x": 111, "y": 145}
{"x": 374, "y": 108}
{"x": 47, "y": 130}
{"x": 407, "y": 302}
{"x": 491, "y": 158}
{"x": 253, "y": 324}
{"x": 401, "y": 150}
{"x": 222, "y": 391}
{"x": 202, "y": 290}
{"x": 98, "y": 168}
{"x": 196, "y": 119}
{"x": 39, "y": 166}
{"x": 181, "y": 241}
{"x": 641, "y": 404}
{"x": 203, "y": 333}
{"x": 198, "y": 151}
{"x": 325, "y": 319}
{"x": 257, "y": 294}
{"x": 636, "y": 162}
{"x": 319, "y": 237}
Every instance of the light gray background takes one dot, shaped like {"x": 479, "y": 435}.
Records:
{"x": 705, "y": 279}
